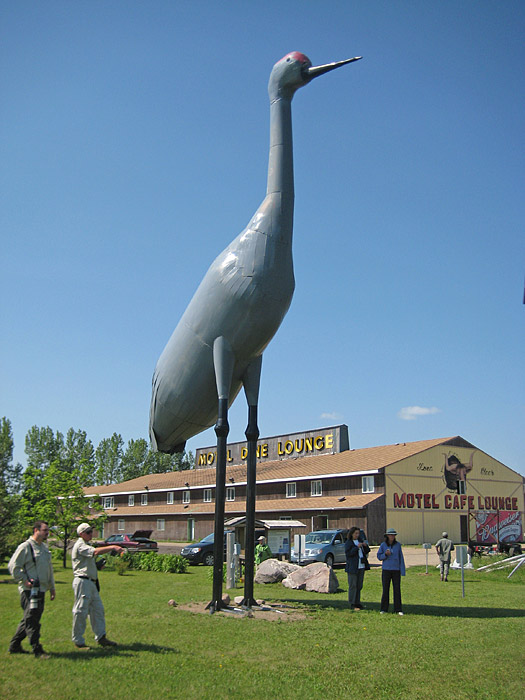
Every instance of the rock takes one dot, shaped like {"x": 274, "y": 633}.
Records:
{"x": 316, "y": 577}
{"x": 226, "y": 599}
{"x": 172, "y": 602}
{"x": 238, "y": 599}
{"x": 273, "y": 571}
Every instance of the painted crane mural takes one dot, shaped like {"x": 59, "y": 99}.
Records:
{"x": 218, "y": 344}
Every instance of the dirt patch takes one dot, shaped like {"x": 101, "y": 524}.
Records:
{"x": 281, "y": 613}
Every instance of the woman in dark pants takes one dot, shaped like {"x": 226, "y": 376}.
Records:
{"x": 390, "y": 554}
{"x": 356, "y": 565}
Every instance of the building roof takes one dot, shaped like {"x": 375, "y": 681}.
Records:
{"x": 367, "y": 460}
{"x": 314, "y": 503}
{"x": 268, "y": 524}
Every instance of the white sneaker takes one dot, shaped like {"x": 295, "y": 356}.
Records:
{"x": 382, "y": 612}
{"x": 400, "y": 613}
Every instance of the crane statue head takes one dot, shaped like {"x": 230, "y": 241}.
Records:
{"x": 295, "y": 70}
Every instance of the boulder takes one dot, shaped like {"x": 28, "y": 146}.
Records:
{"x": 226, "y": 599}
{"x": 316, "y": 577}
{"x": 273, "y": 571}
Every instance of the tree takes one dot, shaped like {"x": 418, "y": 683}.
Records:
{"x": 108, "y": 460}
{"x": 79, "y": 456}
{"x": 9, "y": 488}
{"x": 42, "y": 448}
{"x": 62, "y": 504}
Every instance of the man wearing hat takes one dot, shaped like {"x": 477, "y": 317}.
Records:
{"x": 86, "y": 588}
{"x": 262, "y": 551}
{"x": 444, "y": 548}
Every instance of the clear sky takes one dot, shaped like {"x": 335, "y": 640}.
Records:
{"x": 134, "y": 145}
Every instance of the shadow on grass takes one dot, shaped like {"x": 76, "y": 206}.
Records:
{"x": 425, "y": 610}
{"x": 120, "y": 650}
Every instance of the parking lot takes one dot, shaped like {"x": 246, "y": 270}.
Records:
{"x": 414, "y": 555}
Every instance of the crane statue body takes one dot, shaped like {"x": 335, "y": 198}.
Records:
{"x": 246, "y": 292}
{"x": 217, "y": 346}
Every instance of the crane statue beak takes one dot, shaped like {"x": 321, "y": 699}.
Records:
{"x": 315, "y": 71}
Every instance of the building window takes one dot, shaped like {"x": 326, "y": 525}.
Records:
{"x": 131, "y": 500}
{"x": 317, "y": 487}
{"x": 291, "y": 489}
{"x": 230, "y": 493}
{"x": 108, "y": 502}
{"x": 121, "y": 525}
{"x": 169, "y": 498}
{"x": 368, "y": 484}
{"x": 207, "y": 496}
{"x": 161, "y": 524}
{"x": 185, "y": 496}
{"x": 143, "y": 499}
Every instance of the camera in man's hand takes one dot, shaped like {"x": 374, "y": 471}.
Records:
{"x": 33, "y": 595}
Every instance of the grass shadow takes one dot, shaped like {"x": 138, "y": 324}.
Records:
{"x": 426, "y": 610}
{"x": 120, "y": 650}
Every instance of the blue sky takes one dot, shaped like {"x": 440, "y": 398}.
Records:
{"x": 134, "y": 139}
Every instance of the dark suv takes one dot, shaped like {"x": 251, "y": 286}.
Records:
{"x": 202, "y": 552}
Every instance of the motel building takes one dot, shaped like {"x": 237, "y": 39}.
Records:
{"x": 315, "y": 480}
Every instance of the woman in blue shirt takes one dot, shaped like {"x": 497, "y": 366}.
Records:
{"x": 390, "y": 554}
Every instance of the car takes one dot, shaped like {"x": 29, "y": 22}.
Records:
{"x": 139, "y": 541}
{"x": 202, "y": 552}
{"x": 327, "y": 546}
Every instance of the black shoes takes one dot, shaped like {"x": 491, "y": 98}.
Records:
{"x": 17, "y": 649}
{"x": 40, "y": 653}
{"x": 105, "y": 642}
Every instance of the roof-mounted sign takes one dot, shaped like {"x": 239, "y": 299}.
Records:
{"x": 311, "y": 442}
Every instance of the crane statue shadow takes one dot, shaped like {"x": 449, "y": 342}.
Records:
{"x": 217, "y": 345}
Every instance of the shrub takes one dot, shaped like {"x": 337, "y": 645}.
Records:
{"x": 174, "y": 563}
{"x": 121, "y": 566}
{"x": 56, "y": 554}
{"x": 209, "y": 573}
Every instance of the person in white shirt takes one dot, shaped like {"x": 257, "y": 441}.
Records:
{"x": 86, "y": 588}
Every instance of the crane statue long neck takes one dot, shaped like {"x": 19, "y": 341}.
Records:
{"x": 280, "y": 162}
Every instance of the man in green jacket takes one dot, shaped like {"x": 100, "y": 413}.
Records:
{"x": 262, "y": 551}
{"x": 32, "y": 569}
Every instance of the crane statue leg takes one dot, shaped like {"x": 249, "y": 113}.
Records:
{"x": 223, "y": 362}
{"x": 251, "y": 382}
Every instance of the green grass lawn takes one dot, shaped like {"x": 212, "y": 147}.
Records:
{"x": 444, "y": 647}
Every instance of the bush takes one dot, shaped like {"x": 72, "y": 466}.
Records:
{"x": 209, "y": 573}
{"x": 174, "y": 564}
{"x": 56, "y": 554}
{"x": 151, "y": 561}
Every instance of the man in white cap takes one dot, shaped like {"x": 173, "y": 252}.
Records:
{"x": 86, "y": 588}
{"x": 444, "y": 549}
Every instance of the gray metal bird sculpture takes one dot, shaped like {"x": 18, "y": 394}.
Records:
{"x": 217, "y": 346}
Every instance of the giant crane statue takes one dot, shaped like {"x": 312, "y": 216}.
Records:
{"x": 217, "y": 345}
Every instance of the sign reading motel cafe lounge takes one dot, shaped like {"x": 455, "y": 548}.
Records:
{"x": 313, "y": 442}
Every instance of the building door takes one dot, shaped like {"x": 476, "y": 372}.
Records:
{"x": 191, "y": 529}
{"x": 319, "y": 522}
{"x": 463, "y": 526}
